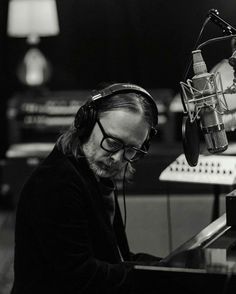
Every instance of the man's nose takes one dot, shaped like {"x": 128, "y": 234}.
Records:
{"x": 118, "y": 155}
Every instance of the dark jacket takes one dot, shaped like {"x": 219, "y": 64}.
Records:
{"x": 64, "y": 242}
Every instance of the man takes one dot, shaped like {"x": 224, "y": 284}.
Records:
{"x": 69, "y": 234}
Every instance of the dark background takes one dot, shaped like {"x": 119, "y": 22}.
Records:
{"x": 144, "y": 42}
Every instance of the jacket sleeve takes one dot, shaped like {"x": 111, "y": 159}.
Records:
{"x": 61, "y": 226}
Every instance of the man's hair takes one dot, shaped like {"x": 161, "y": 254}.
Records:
{"x": 70, "y": 143}
{"x": 135, "y": 103}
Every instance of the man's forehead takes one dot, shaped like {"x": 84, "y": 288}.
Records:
{"x": 128, "y": 126}
{"x": 122, "y": 115}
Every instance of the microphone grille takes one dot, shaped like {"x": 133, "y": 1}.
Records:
{"x": 216, "y": 141}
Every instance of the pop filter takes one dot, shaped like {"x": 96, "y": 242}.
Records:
{"x": 191, "y": 140}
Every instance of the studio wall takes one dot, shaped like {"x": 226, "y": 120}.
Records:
{"x": 145, "y": 42}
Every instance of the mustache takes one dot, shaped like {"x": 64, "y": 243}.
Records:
{"x": 112, "y": 164}
{"x": 109, "y": 163}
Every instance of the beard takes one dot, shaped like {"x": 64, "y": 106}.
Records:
{"x": 103, "y": 169}
{"x": 102, "y": 166}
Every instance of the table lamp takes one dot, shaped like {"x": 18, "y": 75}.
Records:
{"x": 33, "y": 19}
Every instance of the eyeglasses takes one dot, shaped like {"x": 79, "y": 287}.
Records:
{"x": 113, "y": 145}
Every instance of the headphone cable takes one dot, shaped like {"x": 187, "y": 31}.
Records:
{"x": 123, "y": 193}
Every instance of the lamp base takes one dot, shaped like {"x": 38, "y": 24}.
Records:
{"x": 35, "y": 70}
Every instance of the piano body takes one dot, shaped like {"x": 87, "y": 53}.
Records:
{"x": 204, "y": 264}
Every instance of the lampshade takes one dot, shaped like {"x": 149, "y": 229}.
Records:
{"x": 32, "y": 18}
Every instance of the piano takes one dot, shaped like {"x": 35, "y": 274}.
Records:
{"x": 204, "y": 264}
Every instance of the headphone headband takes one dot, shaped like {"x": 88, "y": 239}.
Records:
{"x": 119, "y": 88}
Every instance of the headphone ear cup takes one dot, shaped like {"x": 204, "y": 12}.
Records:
{"x": 85, "y": 120}
{"x": 147, "y": 142}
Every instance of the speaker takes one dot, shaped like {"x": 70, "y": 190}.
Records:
{"x": 86, "y": 116}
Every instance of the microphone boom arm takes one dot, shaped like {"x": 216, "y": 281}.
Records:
{"x": 226, "y": 27}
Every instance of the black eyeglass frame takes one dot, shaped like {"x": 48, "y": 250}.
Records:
{"x": 139, "y": 151}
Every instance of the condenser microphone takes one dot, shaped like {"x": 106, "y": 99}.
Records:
{"x": 203, "y": 101}
{"x": 210, "y": 112}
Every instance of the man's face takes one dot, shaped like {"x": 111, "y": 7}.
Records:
{"x": 124, "y": 125}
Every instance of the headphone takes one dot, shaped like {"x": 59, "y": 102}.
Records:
{"x": 86, "y": 116}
